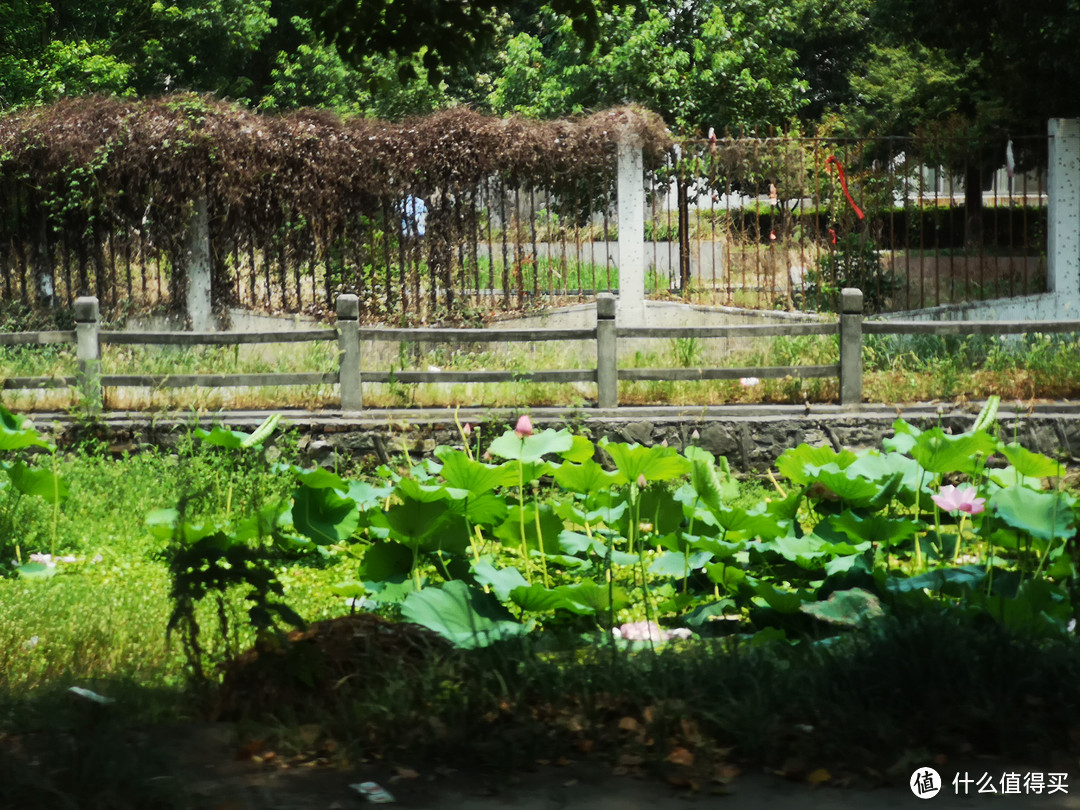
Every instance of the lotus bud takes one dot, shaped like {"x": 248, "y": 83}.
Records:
{"x": 524, "y": 426}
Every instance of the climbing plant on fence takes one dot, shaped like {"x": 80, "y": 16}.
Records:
{"x": 96, "y": 195}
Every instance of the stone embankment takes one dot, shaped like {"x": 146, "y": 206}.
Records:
{"x": 751, "y": 437}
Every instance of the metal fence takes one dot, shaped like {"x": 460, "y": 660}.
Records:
{"x": 787, "y": 222}
{"x": 758, "y": 223}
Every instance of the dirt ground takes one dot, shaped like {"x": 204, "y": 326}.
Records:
{"x": 209, "y": 770}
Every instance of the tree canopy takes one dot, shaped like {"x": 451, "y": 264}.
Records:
{"x": 864, "y": 66}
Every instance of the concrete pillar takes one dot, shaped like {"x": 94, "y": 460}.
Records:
{"x": 88, "y": 352}
{"x": 1063, "y": 188}
{"x": 348, "y": 326}
{"x": 197, "y": 266}
{"x": 631, "y": 190}
{"x": 851, "y": 317}
{"x": 607, "y": 371}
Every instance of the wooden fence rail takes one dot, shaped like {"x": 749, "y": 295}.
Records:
{"x": 90, "y": 380}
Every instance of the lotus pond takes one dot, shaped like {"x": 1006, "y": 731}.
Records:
{"x": 549, "y": 558}
{"x": 545, "y": 532}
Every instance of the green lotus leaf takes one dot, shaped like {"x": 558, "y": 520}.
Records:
{"x": 1045, "y": 515}
{"x": 903, "y": 438}
{"x": 534, "y": 447}
{"x": 656, "y": 463}
{"x": 1029, "y": 464}
{"x": 797, "y": 463}
{"x": 939, "y": 452}
{"x": 37, "y": 482}
{"x": 17, "y": 432}
{"x": 465, "y": 616}
{"x": 848, "y": 608}
{"x": 500, "y": 580}
{"x": 587, "y": 477}
{"x": 461, "y": 472}
{"x": 323, "y": 515}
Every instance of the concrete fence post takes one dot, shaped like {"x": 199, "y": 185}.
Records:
{"x": 631, "y": 215}
{"x": 348, "y": 326}
{"x": 1063, "y": 231}
{"x": 197, "y": 266}
{"x": 851, "y": 318}
{"x": 607, "y": 371}
{"x": 88, "y": 352}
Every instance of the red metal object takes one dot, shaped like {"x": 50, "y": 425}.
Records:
{"x": 843, "y": 185}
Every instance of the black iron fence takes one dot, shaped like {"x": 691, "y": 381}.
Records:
{"x": 761, "y": 223}
{"x": 788, "y": 222}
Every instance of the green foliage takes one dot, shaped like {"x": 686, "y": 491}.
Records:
{"x": 853, "y": 262}
{"x": 698, "y": 66}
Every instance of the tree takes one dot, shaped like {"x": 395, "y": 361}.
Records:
{"x": 970, "y": 73}
{"x": 445, "y": 35}
{"x": 698, "y": 65}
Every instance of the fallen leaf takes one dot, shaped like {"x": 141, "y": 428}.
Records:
{"x": 250, "y": 749}
{"x": 406, "y": 773}
{"x": 681, "y": 756}
{"x": 630, "y": 760}
{"x": 585, "y": 746}
{"x": 629, "y": 724}
{"x": 819, "y": 777}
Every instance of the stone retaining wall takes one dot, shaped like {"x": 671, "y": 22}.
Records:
{"x": 751, "y": 438}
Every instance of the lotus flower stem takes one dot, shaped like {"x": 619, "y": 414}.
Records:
{"x": 540, "y": 539}
{"x": 521, "y": 514}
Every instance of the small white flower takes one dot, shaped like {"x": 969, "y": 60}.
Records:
{"x": 649, "y": 631}
{"x": 748, "y": 382}
{"x": 97, "y": 558}
{"x": 44, "y": 559}
{"x": 30, "y": 643}
{"x": 69, "y": 558}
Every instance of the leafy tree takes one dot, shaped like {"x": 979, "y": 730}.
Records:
{"x": 968, "y": 74}
{"x": 313, "y": 74}
{"x": 698, "y": 65}
{"x": 444, "y": 35}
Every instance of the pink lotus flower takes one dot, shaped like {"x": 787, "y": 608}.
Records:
{"x": 953, "y": 499}
{"x": 467, "y": 429}
{"x": 649, "y": 631}
{"x": 524, "y": 426}
{"x": 641, "y": 482}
